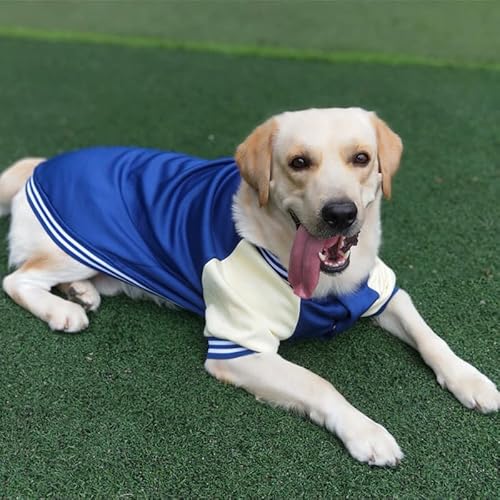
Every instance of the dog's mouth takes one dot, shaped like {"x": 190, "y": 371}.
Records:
{"x": 335, "y": 258}
{"x": 310, "y": 256}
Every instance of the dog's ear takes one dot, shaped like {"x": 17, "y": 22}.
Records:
{"x": 390, "y": 149}
{"x": 253, "y": 157}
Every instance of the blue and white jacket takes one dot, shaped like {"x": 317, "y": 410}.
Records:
{"x": 162, "y": 221}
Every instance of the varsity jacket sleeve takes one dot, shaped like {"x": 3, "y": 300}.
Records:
{"x": 382, "y": 280}
{"x": 249, "y": 308}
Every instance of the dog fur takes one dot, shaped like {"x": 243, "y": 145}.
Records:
{"x": 270, "y": 189}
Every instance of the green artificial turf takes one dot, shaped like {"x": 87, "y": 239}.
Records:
{"x": 445, "y": 29}
{"x": 125, "y": 409}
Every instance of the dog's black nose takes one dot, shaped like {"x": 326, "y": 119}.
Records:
{"x": 339, "y": 215}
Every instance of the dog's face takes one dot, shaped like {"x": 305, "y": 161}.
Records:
{"x": 323, "y": 167}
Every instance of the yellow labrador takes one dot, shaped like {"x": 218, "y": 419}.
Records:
{"x": 303, "y": 230}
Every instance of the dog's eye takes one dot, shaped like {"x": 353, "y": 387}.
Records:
{"x": 300, "y": 163}
{"x": 360, "y": 159}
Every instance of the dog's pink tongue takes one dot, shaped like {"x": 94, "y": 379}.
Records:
{"x": 304, "y": 267}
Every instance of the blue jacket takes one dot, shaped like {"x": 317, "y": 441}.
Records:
{"x": 162, "y": 221}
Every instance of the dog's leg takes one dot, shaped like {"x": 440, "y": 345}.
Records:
{"x": 41, "y": 265}
{"x": 83, "y": 293}
{"x": 470, "y": 387}
{"x": 30, "y": 286}
{"x": 273, "y": 379}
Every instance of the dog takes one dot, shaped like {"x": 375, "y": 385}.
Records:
{"x": 280, "y": 241}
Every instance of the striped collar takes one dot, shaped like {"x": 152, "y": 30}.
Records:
{"x": 273, "y": 261}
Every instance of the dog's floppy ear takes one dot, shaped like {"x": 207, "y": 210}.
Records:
{"x": 390, "y": 149}
{"x": 253, "y": 157}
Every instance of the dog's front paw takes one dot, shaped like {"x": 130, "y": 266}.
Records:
{"x": 473, "y": 389}
{"x": 85, "y": 294}
{"x": 369, "y": 442}
{"x": 69, "y": 318}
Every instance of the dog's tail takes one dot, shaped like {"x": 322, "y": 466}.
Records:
{"x": 13, "y": 180}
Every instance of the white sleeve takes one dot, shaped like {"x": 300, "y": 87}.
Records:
{"x": 383, "y": 281}
{"x": 247, "y": 302}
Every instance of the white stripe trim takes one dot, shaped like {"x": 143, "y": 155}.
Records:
{"x": 41, "y": 213}
{"x": 73, "y": 246}
{"x": 275, "y": 265}
{"x": 272, "y": 257}
{"x": 221, "y": 343}
{"x": 71, "y": 243}
{"x": 227, "y": 351}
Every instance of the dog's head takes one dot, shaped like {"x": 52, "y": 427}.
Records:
{"x": 323, "y": 167}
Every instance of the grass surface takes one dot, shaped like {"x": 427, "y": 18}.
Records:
{"x": 447, "y": 30}
{"x": 126, "y": 408}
